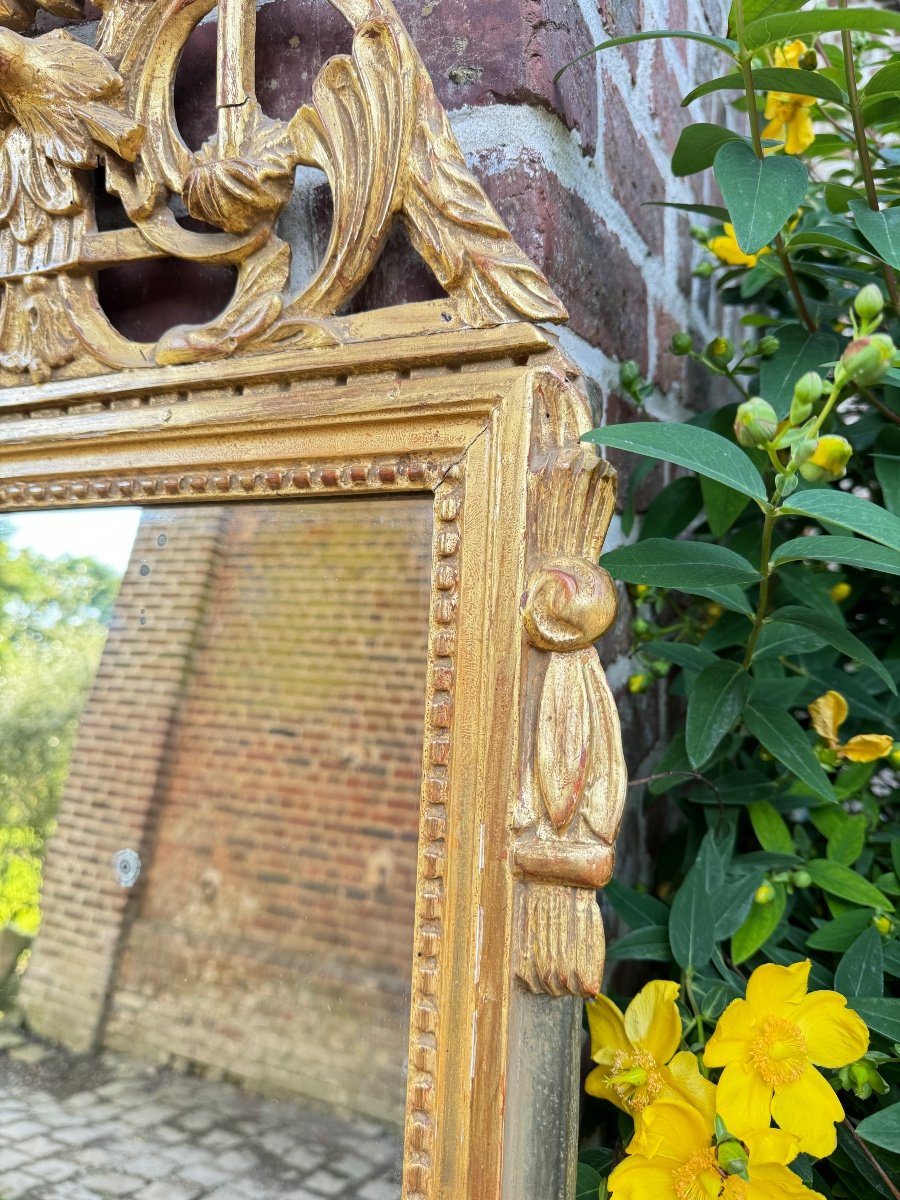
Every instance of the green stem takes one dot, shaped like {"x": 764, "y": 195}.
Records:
{"x": 872, "y": 1159}
{"x": 862, "y": 146}
{"x": 762, "y": 604}
{"x": 745, "y": 58}
{"x": 692, "y": 1001}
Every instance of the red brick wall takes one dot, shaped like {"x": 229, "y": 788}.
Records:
{"x": 270, "y": 934}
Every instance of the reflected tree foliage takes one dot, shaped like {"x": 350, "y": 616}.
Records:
{"x": 53, "y": 618}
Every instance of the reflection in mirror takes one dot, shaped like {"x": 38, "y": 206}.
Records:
{"x": 210, "y": 763}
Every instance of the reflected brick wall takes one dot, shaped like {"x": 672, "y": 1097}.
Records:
{"x": 269, "y": 937}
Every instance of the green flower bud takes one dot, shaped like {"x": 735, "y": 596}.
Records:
{"x": 756, "y": 422}
{"x": 641, "y": 627}
{"x": 786, "y": 484}
{"x": 720, "y": 350}
{"x": 866, "y": 360}
{"x": 809, "y": 388}
{"x": 869, "y": 303}
{"x": 732, "y": 1158}
{"x": 629, "y": 373}
{"x": 862, "y": 1078}
{"x": 808, "y": 60}
{"x": 801, "y": 879}
{"x": 768, "y": 345}
{"x": 703, "y": 270}
{"x": 660, "y": 668}
{"x": 699, "y": 234}
{"x": 829, "y": 462}
{"x": 804, "y": 450}
{"x": 682, "y": 343}
{"x": 639, "y": 683}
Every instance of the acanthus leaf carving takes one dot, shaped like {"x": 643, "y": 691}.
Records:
{"x": 375, "y": 127}
{"x": 574, "y": 777}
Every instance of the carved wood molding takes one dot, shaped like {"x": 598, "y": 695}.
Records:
{"x": 374, "y": 127}
{"x": 574, "y": 780}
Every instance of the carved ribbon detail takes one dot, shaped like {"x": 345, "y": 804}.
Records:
{"x": 574, "y": 777}
{"x": 374, "y": 127}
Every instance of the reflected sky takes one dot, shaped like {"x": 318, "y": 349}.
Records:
{"x": 106, "y": 534}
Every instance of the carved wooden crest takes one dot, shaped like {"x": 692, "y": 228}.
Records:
{"x": 374, "y": 127}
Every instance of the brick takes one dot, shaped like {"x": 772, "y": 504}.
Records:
{"x": 630, "y": 167}
{"x": 584, "y": 260}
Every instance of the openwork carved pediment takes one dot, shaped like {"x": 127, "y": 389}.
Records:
{"x": 374, "y": 127}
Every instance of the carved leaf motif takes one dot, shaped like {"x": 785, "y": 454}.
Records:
{"x": 563, "y": 738}
{"x": 458, "y": 232}
{"x": 604, "y": 797}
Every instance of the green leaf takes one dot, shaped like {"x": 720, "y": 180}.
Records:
{"x": 880, "y": 229}
{"x": 880, "y": 1014}
{"x": 798, "y": 353}
{"x": 714, "y": 211}
{"x": 729, "y": 596}
{"x": 839, "y": 195}
{"x": 686, "y": 446}
{"x": 882, "y": 1128}
{"x": 861, "y": 969}
{"x": 664, "y": 563}
{"x": 782, "y": 28}
{"x": 778, "y": 638}
{"x": 886, "y": 460}
{"x": 838, "y": 880}
{"x": 733, "y": 903}
{"x": 778, "y": 732}
{"x": 587, "y": 1182}
{"x": 691, "y": 921}
{"x": 832, "y": 507}
{"x": 636, "y": 909}
{"x": 821, "y": 237}
{"x": 846, "y": 842}
{"x": 761, "y": 194}
{"x": 840, "y": 933}
{"x": 770, "y": 828}
{"x": 723, "y": 505}
{"x": 776, "y": 79}
{"x": 697, "y": 146}
{"x": 673, "y": 509}
{"x": 650, "y": 943}
{"x": 753, "y": 10}
{"x": 834, "y": 632}
{"x": 887, "y": 79}
{"x": 855, "y": 552}
{"x": 691, "y": 658}
{"x": 708, "y": 39}
{"x": 716, "y": 701}
{"x": 761, "y": 923}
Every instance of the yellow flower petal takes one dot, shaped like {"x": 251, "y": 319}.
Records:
{"x": 771, "y": 1146}
{"x": 774, "y": 989}
{"x": 800, "y": 132}
{"x": 673, "y": 1130}
{"x": 683, "y": 1076}
{"x": 809, "y": 1108}
{"x": 732, "y": 1036}
{"x": 828, "y": 714}
{"x": 743, "y": 1099}
{"x": 769, "y": 1181}
{"x": 636, "y": 1178}
{"x": 652, "y": 1020}
{"x": 867, "y": 747}
{"x": 607, "y": 1028}
{"x": 835, "y": 1035}
{"x": 790, "y": 54}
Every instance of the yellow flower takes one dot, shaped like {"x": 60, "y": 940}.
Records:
{"x": 770, "y": 1045}
{"x": 828, "y": 713}
{"x": 675, "y": 1159}
{"x": 840, "y": 592}
{"x": 725, "y": 247}
{"x": 636, "y": 1052}
{"x": 787, "y": 113}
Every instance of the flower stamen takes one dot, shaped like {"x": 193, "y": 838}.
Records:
{"x": 779, "y": 1052}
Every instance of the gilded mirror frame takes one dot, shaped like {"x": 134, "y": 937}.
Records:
{"x": 465, "y": 398}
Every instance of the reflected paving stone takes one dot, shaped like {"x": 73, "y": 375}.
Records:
{"x": 155, "y": 1135}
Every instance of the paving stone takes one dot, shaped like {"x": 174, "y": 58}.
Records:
{"x": 10, "y": 1158}
{"x": 206, "y": 1173}
{"x": 171, "y": 1189}
{"x": 14, "y": 1184}
{"x": 113, "y": 1184}
{"x": 304, "y": 1158}
{"x": 54, "y": 1170}
{"x": 199, "y": 1121}
{"x": 30, "y": 1052}
{"x": 218, "y": 1139}
{"x": 324, "y": 1183}
{"x": 379, "y": 1189}
{"x": 153, "y": 1165}
{"x": 79, "y": 1135}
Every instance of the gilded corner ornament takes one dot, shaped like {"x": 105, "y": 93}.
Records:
{"x": 574, "y": 779}
{"x": 374, "y": 127}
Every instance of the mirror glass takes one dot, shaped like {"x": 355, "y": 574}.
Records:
{"x": 211, "y": 722}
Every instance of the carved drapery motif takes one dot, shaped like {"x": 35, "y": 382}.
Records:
{"x": 574, "y": 780}
{"x": 374, "y": 127}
